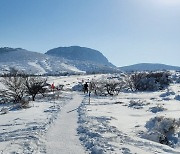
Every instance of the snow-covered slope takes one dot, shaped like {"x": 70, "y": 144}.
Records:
{"x": 83, "y": 58}
{"x": 33, "y": 62}
{"x": 148, "y": 67}
{"x": 80, "y": 54}
{"x": 38, "y": 63}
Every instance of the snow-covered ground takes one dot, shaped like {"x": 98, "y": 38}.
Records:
{"x": 62, "y": 136}
{"x": 22, "y": 130}
{"x": 118, "y": 124}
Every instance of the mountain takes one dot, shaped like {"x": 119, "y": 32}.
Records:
{"x": 83, "y": 58}
{"x": 149, "y": 67}
{"x": 38, "y": 63}
{"x": 7, "y": 49}
{"x": 78, "y": 53}
{"x": 33, "y": 62}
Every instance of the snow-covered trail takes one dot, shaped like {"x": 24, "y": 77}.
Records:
{"x": 62, "y": 137}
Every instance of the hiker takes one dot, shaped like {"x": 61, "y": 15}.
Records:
{"x": 52, "y": 86}
{"x": 85, "y": 88}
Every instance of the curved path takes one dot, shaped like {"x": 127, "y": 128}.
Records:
{"x": 62, "y": 136}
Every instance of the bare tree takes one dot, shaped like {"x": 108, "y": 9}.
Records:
{"x": 14, "y": 86}
{"x": 111, "y": 88}
{"x": 106, "y": 87}
{"x": 136, "y": 79}
{"x": 147, "y": 81}
{"x": 35, "y": 85}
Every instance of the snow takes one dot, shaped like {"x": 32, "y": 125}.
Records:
{"x": 22, "y": 130}
{"x": 113, "y": 126}
{"x": 62, "y": 136}
{"x": 46, "y": 64}
{"x": 34, "y": 63}
{"x": 71, "y": 68}
{"x": 70, "y": 124}
{"x": 37, "y": 66}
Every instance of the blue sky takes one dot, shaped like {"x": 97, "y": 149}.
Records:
{"x": 125, "y": 31}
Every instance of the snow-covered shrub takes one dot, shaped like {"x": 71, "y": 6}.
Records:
{"x": 158, "y": 108}
{"x": 4, "y": 110}
{"x": 168, "y": 93}
{"x": 162, "y": 130}
{"x": 98, "y": 87}
{"x": 175, "y": 77}
{"x": 24, "y": 103}
{"x": 178, "y": 80}
{"x": 135, "y": 80}
{"x": 137, "y": 104}
{"x": 148, "y": 84}
{"x": 177, "y": 97}
{"x": 162, "y": 78}
{"x": 107, "y": 86}
{"x": 78, "y": 87}
{"x": 14, "y": 86}
{"x": 147, "y": 81}
{"x": 19, "y": 86}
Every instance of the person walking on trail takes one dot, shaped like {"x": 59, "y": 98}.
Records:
{"x": 85, "y": 88}
{"x": 52, "y": 87}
